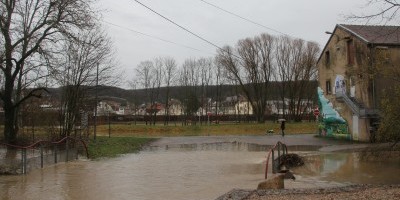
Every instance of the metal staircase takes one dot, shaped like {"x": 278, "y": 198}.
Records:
{"x": 357, "y": 107}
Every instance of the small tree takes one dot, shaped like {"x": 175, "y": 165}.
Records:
{"x": 390, "y": 126}
{"x": 89, "y": 58}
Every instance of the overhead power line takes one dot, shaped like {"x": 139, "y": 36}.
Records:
{"x": 185, "y": 29}
{"x": 155, "y": 37}
{"x": 243, "y": 18}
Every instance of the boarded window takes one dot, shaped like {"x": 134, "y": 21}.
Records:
{"x": 350, "y": 52}
{"x": 328, "y": 86}
{"x": 327, "y": 58}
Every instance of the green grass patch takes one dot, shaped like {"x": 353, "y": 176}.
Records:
{"x": 114, "y": 146}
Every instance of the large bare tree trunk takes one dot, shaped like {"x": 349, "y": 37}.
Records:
{"x": 29, "y": 29}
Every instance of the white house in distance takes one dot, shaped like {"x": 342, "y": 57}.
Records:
{"x": 233, "y": 105}
{"x": 106, "y": 107}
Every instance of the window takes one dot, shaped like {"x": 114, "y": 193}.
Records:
{"x": 350, "y": 52}
{"x": 328, "y": 87}
{"x": 327, "y": 58}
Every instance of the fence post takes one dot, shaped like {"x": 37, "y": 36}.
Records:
{"x": 66, "y": 148}
{"x": 273, "y": 161}
{"x": 23, "y": 160}
{"x": 76, "y": 149}
{"x": 41, "y": 156}
{"x": 55, "y": 153}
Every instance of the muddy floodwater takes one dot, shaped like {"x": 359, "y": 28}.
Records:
{"x": 187, "y": 172}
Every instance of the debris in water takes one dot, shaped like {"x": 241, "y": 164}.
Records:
{"x": 290, "y": 160}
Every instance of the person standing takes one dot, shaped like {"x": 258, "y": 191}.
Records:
{"x": 283, "y": 128}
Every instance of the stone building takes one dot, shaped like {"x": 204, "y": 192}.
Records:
{"x": 349, "y": 77}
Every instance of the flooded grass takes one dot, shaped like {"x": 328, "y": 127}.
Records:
{"x": 114, "y": 146}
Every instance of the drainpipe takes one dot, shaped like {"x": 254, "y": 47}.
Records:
{"x": 373, "y": 80}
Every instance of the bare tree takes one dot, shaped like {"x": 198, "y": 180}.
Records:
{"x": 205, "y": 67}
{"x": 169, "y": 69}
{"x": 283, "y": 72}
{"x": 89, "y": 58}
{"x": 30, "y": 28}
{"x": 189, "y": 79}
{"x": 156, "y": 85}
{"x": 252, "y": 69}
{"x": 145, "y": 78}
{"x": 220, "y": 75}
{"x": 381, "y": 12}
{"x": 296, "y": 68}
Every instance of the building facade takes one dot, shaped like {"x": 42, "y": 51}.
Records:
{"x": 349, "y": 74}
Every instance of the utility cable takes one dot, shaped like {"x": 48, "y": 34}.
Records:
{"x": 243, "y": 18}
{"x": 185, "y": 29}
{"x": 155, "y": 37}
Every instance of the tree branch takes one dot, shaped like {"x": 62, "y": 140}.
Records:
{"x": 31, "y": 94}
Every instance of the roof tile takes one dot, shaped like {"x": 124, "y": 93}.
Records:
{"x": 384, "y": 35}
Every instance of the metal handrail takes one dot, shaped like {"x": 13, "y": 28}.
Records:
{"x": 349, "y": 102}
{"x": 32, "y": 146}
{"x": 40, "y": 143}
{"x": 278, "y": 145}
{"x": 360, "y": 111}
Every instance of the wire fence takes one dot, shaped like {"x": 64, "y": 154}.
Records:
{"x": 21, "y": 159}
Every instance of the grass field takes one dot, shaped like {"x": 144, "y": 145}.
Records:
{"x": 114, "y": 146}
{"x": 141, "y": 130}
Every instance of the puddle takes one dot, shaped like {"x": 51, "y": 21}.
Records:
{"x": 188, "y": 171}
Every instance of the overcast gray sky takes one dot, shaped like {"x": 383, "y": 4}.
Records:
{"x": 306, "y": 19}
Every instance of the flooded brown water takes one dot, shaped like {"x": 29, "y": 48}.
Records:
{"x": 352, "y": 168}
{"x": 182, "y": 172}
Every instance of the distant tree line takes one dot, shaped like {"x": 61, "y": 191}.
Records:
{"x": 261, "y": 68}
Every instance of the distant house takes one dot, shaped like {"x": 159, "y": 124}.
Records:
{"x": 205, "y": 107}
{"x": 346, "y": 88}
{"x": 109, "y": 106}
{"x": 141, "y": 109}
{"x": 154, "y": 108}
{"x": 175, "y": 107}
{"x": 243, "y": 106}
{"x": 105, "y": 108}
{"x": 228, "y": 105}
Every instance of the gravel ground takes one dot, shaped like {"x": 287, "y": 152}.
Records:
{"x": 370, "y": 192}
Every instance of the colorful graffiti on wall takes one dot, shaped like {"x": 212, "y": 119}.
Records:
{"x": 331, "y": 124}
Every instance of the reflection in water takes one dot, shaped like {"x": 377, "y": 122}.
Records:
{"x": 190, "y": 171}
{"x": 163, "y": 174}
{"x": 351, "y": 168}
{"x": 219, "y": 146}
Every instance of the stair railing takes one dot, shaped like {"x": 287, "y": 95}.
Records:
{"x": 282, "y": 150}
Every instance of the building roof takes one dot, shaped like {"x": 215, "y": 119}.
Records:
{"x": 381, "y": 35}
{"x": 376, "y": 35}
